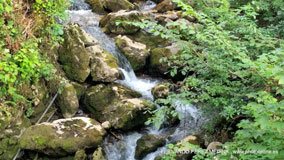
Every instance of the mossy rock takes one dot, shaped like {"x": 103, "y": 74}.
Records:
{"x": 68, "y": 101}
{"x": 80, "y": 89}
{"x": 63, "y": 137}
{"x": 73, "y": 55}
{"x": 149, "y": 40}
{"x": 104, "y": 66}
{"x": 161, "y": 90}
{"x": 97, "y": 6}
{"x": 158, "y": 67}
{"x": 101, "y": 6}
{"x": 118, "y": 105}
{"x": 80, "y": 155}
{"x": 147, "y": 144}
{"x": 155, "y": 60}
{"x": 165, "y": 5}
{"x": 135, "y": 52}
{"x": 116, "y": 5}
{"x": 109, "y": 22}
{"x": 99, "y": 154}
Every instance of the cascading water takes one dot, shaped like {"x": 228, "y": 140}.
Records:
{"x": 89, "y": 21}
{"x": 124, "y": 149}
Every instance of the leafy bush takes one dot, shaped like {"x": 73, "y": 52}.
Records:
{"x": 233, "y": 62}
{"x": 24, "y": 27}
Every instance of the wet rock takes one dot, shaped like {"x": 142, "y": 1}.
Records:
{"x": 135, "y": 52}
{"x": 80, "y": 89}
{"x": 100, "y": 6}
{"x": 99, "y": 154}
{"x": 165, "y": 5}
{"x": 147, "y": 144}
{"x": 97, "y": 6}
{"x": 214, "y": 146}
{"x": 109, "y": 22}
{"x": 156, "y": 66}
{"x": 73, "y": 55}
{"x": 80, "y": 155}
{"x": 149, "y": 40}
{"x": 63, "y": 136}
{"x": 68, "y": 101}
{"x": 81, "y": 55}
{"x": 161, "y": 90}
{"x": 104, "y": 67}
{"x": 117, "y": 5}
{"x": 117, "y": 104}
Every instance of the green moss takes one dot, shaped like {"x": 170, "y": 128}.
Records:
{"x": 110, "y": 60}
{"x": 97, "y": 5}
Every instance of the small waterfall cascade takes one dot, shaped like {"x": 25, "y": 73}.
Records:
{"x": 124, "y": 148}
{"x": 89, "y": 21}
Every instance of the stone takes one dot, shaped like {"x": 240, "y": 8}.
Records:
{"x": 73, "y": 55}
{"x": 120, "y": 106}
{"x": 147, "y": 144}
{"x": 156, "y": 66}
{"x": 116, "y": 5}
{"x": 190, "y": 139}
{"x": 81, "y": 55}
{"x": 165, "y": 5}
{"x": 214, "y": 146}
{"x": 104, "y": 67}
{"x": 97, "y": 6}
{"x": 149, "y": 40}
{"x": 135, "y": 52}
{"x": 99, "y": 154}
{"x": 109, "y": 22}
{"x": 68, "y": 101}
{"x": 80, "y": 155}
{"x": 161, "y": 90}
{"x": 63, "y": 137}
{"x": 101, "y": 6}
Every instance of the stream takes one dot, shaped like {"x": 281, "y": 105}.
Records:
{"x": 124, "y": 149}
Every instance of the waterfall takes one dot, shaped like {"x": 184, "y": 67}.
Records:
{"x": 124, "y": 149}
{"x": 89, "y": 21}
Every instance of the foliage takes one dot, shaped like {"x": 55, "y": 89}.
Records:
{"x": 25, "y": 26}
{"x": 233, "y": 62}
{"x": 50, "y": 12}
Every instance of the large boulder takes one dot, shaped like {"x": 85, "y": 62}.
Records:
{"x": 97, "y": 6}
{"x": 135, "y": 52}
{"x": 104, "y": 67}
{"x": 73, "y": 55}
{"x": 156, "y": 66}
{"x": 81, "y": 55}
{"x": 118, "y": 105}
{"x": 109, "y": 22}
{"x": 63, "y": 136}
{"x": 165, "y": 5}
{"x": 118, "y": 5}
{"x": 147, "y": 144}
{"x": 68, "y": 101}
{"x": 100, "y": 6}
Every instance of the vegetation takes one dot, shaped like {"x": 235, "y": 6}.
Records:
{"x": 24, "y": 27}
{"x": 232, "y": 61}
